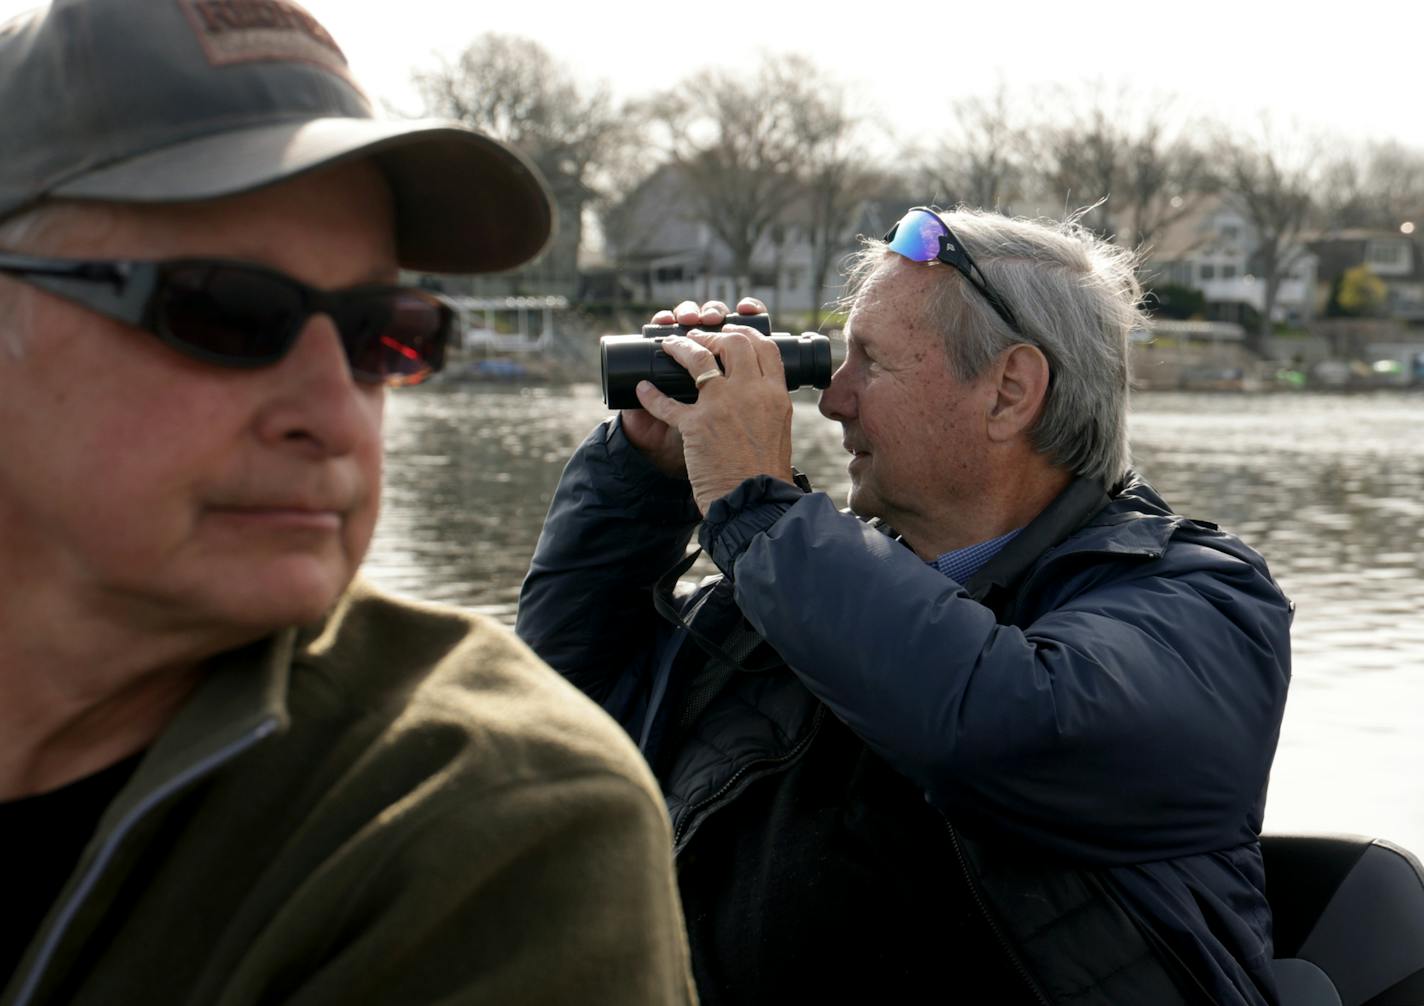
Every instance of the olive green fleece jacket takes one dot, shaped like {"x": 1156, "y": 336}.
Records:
{"x": 401, "y": 805}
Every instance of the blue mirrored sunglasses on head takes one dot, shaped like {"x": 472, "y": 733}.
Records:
{"x": 923, "y": 236}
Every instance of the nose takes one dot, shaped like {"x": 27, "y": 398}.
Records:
{"x": 315, "y": 405}
{"x": 838, "y": 400}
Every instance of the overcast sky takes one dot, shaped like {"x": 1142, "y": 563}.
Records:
{"x": 1350, "y": 69}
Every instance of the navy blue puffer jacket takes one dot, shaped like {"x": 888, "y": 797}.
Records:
{"x": 1111, "y": 697}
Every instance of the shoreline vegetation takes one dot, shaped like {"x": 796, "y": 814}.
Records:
{"x": 1225, "y": 379}
{"x": 1158, "y": 364}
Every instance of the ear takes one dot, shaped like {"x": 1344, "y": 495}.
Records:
{"x": 1022, "y": 384}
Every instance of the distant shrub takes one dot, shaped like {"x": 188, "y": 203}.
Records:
{"x": 1178, "y": 303}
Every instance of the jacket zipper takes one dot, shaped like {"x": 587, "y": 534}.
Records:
{"x": 988, "y": 918}
{"x": 801, "y": 745}
{"x": 111, "y": 844}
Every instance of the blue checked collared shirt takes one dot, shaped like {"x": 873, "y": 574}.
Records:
{"x": 962, "y": 563}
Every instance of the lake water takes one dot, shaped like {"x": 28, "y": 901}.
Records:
{"x": 1329, "y": 488}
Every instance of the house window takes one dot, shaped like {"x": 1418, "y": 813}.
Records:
{"x": 1230, "y": 232}
{"x": 670, "y": 274}
{"x": 1228, "y": 271}
{"x": 1387, "y": 258}
{"x": 793, "y": 279}
{"x": 1207, "y": 271}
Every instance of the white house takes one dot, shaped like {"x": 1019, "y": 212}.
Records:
{"x": 1215, "y": 250}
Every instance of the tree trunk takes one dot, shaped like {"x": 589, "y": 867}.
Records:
{"x": 820, "y": 265}
{"x": 1267, "y": 327}
{"x": 741, "y": 276}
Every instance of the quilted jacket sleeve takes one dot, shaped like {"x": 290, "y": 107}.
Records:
{"x": 615, "y": 526}
{"x": 1133, "y": 717}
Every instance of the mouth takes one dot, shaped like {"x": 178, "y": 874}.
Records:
{"x": 287, "y": 517}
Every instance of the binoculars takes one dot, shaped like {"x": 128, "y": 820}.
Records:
{"x": 627, "y": 359}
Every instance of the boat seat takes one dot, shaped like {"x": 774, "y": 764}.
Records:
{"x": 1301, "y": 983}
{"x": 1349, "y": 920}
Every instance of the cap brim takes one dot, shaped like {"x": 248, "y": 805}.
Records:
{"x": 464, "y": 202}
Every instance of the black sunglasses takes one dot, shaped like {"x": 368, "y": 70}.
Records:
{"x": 239, "y": 315}
{"x": 921, "y": 235}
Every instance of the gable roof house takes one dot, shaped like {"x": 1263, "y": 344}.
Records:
{"x": 1215, "y": 249}
{"x": 664, "y": 253}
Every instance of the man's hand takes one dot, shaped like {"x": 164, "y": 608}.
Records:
{"x": 740, "y": 425}
{"x": 658, "y": 441}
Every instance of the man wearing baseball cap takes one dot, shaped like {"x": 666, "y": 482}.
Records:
{"x": 229, "y": 773}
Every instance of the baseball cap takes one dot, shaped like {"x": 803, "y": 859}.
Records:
{"x": 185, "y": 100}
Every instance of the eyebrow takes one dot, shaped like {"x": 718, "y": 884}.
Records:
{"x": 372, "y": 277}
{"x": 383, "y": 274}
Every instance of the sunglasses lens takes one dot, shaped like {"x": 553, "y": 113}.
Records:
{"x": 228, "y": 315}
{"x": 242, "y": 317}
{"x": 395, "y": 336}
{"x": 917, "y": 236}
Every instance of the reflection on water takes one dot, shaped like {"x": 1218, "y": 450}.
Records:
{"x": 469, "y": 473}
{"x": 1329, "y": 488}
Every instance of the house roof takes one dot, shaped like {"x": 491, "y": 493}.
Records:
{"x": 1355, "y": 234}
{"x": 1188, "y": 233}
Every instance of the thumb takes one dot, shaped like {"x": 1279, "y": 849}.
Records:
{"x": 658, "y": 405}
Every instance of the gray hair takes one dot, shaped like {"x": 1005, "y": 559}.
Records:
{"x": 14, "y": 306}
{"x": 1075, "y": 296}
{"x": 33, "y": 231}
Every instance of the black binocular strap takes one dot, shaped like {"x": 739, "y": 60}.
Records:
{"x": 719, "y": 670}
{"x": 724, "y": 659}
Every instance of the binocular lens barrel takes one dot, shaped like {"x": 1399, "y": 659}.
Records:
{"x": 628, "y": 359}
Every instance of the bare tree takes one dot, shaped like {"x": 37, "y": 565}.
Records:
{"x": 734, "y": 139}
{"x": 1271, "y": 182}
{"x": 836, "y": 173}
{"x": 1342, "y": 201}
{"x": 514, "y": 90}
{"x": 1395, "y": 184}
{"x": 981, "y": 159}
{"x": 1131, "y": 161}
{"x": 1081, "y": 161}
{"x": 1165, "y": 176}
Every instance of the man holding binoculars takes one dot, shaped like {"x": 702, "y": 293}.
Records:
{"x": 1008, "y": 691}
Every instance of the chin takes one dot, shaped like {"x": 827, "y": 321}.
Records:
{"x": 283, "y": 595}
{"x": 862, "y": 502}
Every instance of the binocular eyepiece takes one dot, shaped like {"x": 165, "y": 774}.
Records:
{"x": 627, "y": 359}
